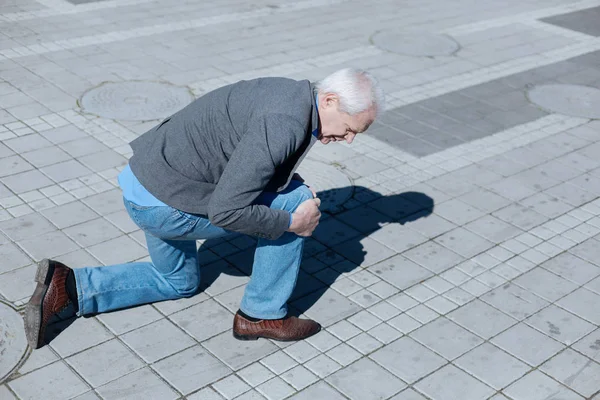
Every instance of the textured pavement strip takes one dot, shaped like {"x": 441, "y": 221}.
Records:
{"x": 503, "y": 273}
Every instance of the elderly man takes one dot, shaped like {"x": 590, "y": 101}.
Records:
{"x": 225, "y": 163}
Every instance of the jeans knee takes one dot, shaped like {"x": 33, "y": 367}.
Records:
{"x": 301, "y": 194}
{"x": 185, "y": 286}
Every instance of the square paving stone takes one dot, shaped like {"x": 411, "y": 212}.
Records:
{"x": 322, "y": 366}
{"x": 231, "y": 387}
{"x": 590, "y": 345}
{"x": 82, "y": 334}
{"x": 464, "y": 242}
{"x": 588, "y": 250}
{"x": 492, "y": 366}
{"x": 398, "y": 209}
{"x": 237, "y": 354}
{"x": 583, "y": 303}
{"x": 275, "y": 389}
{"x": 430, "y": 225}
{"x": 446, "y": 338}
{"x": 191, "y": 369}
{"x": 107, "y": 202}
{"x": 48, "y": 245}
{"x": 319, "y": 391}
{"x": 364, "y": 252}
{"x": 484, "y": 200}
{"x": 585, "y": 21}
{"x": 204, "y": 320}
{"x": 546, "y": 205}
{"x": 26, "y": 227}
{"x": 92, "y": 232}
{"x": 326, "y": 306}
{"x": 18, "y": 284}
{"x": 400, "y": 272}
{"x": 26, "y": 181}
{"x": 493, "y": 229}
{"x": 452, "y": 383}
{"x": 482, "y": 319}
{"x": 537, "y": 386}
{"x": 514, "y": 301}
{"x": 157, "y": 340}
{"x": 69, "y": 214}
{"x": 331, "y": 232}
{"x": 527, "y": 344}
{"x": 408, "y": 394}
{"x": 520, "y": 216}
{"x": 65, "y": 171}
{"x": 572, "y": 268}
{"x": 363, "y": 219}
{"x": 398, "y": 237}
{"x": 111, "y": 360}
{"x": 408, "y": 359}
{"x": 575, "y": 371}
{"x": 560, "y": 324}
{"x": 545, "y": 284}
{"x": 571, "y": 194}
{"x": 458, "y": 212}
{"x": 142, "y": 384}
{"x": 12, "y": 258}
{"x": 365, "y": 380}
{"x": 434, "y": 257}
{"x": 55, "y": 381}
{"x": 117, "y": 251}
{"x": 123, "y": 321}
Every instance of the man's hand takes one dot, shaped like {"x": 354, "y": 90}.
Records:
{"x": 306, "y": 217}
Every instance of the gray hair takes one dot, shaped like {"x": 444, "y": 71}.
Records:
{"x": 357, "y": 90}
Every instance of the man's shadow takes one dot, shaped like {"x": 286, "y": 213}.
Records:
{"x": 375, "y": 210}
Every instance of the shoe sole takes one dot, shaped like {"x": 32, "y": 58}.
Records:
{"x": 256, "y": 337}
{"x": 34, "y": 310}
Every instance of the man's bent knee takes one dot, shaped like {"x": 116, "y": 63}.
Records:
{"x": 298, "y": 196}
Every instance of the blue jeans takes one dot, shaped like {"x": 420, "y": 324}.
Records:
{"x": 175, "y": 271}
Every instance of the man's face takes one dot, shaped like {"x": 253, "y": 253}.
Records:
{"x": 337, "y": 125}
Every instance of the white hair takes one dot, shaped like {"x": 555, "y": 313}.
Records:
{"x": 356, "y": 89}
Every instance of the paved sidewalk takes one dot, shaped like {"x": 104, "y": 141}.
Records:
{"x": 459, "y": 255}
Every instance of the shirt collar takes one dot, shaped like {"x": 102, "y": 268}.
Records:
{"x": 315, "y": 112}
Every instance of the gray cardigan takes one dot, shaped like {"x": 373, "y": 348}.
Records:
{"x": 216, "y": 156}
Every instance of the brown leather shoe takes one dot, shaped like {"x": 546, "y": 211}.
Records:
{"x": 285, "y": 329}
{"x": 49, "y": 299}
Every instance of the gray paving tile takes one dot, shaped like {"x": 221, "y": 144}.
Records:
{"x": 464, "y": 242}
{"x": 510, "y": 188}
{"x": 452, "y": 383}
{"x": 364, "y": 252}
{"x": 446, "y": 338}
{"x": 484, "y": 200}
{"x": 275, "y": 389}
{"x": 238, "y": 354}
{"x": 398, "y": 237}
{"x": 123, "y": 321}
{"x": 18, "y": 284}
{"x": 27, "y": 143}
{"x": 575, "y": 371}
{"x": 458, "y": 212}
{"x": 83, "y": 146}
{"x": 105, "y": 362}
{"x": 279, "y": 362}
{"x": 582, "y": 303}
{"x": 319, "y": 391}
{"x": 204, "y": 320}
{"x": 366, "y": 380}
{"x": 26, "y": 181}
{"x": 400, "y": 272}
{"x": 588, "y": 250}
{"x": 546, "y": 205}
{"x": 434, "y": 257}
{"x": 482, "y": 319}
{"x": 408, "y": 394}
{"x": 191, "y": 369}
{"x": 69, "y": 214}
{"x": 590, "y": 345}
{"x": 48, "y": 245}
{"x": 584, "y": 21}
{"x": 514, "y": 301}
{"x": 527, "y": 344}
{"x": 64, "y": 134}
{"x": 157, "y": 340}
{"x": 571, "y": 194}
{"x": 12, "y": 258}
{"x": 92, "y": 232}
{"x": 106, "y": 203}
{"x": 117, "y": 251}
{"x": 141, "y": 384}
{"x": 331, "y": 232}
{"x": 537, "y": 386}
{"x": 430, "y": 225}
{"x": 560, "y": 324}
{"x": 545, "y": 284}
{"x": 344, "y": 354}
{"x": 492, "y": 366}
{"x": 363, "y": 219}
{"x": 13, "y": 165}
{"x": 520, "y": 216}
{"x": 37, "y": 359}
{"x": 54, "y": 381}
{"x": 493, "y": 229}
{"x": 103, "y": 160}
{"x": 395, "y": 358}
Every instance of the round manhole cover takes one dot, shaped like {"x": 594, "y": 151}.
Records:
{"x": 333, "y": 186}
{"x": 415, "y": 44}
{"x": 13, "y": 343}
{"x": 572, "y": 100}
{"x": 135, "y": 101}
